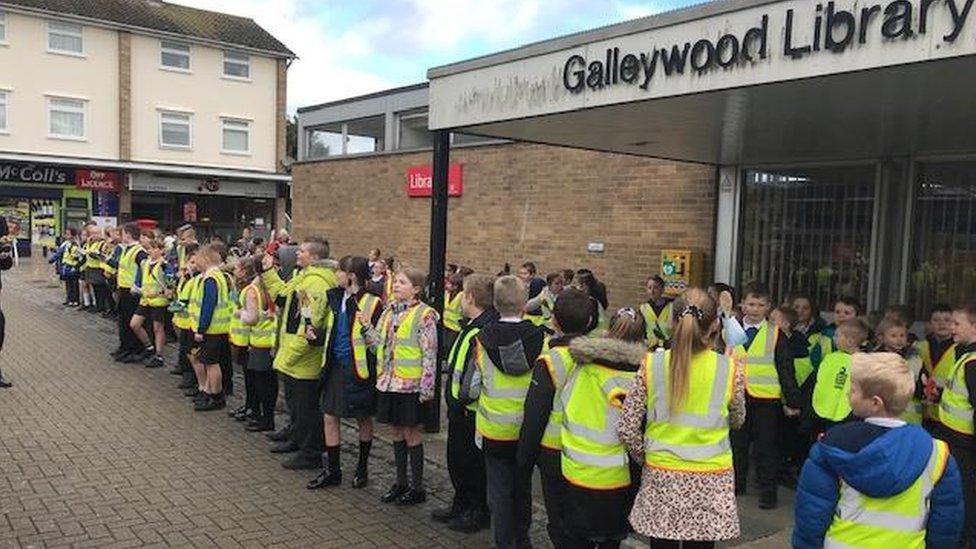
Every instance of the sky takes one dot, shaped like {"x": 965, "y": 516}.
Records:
{"x": 348, "y": 48}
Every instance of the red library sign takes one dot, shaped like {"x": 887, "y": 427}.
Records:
{"x": 420, "y": 180}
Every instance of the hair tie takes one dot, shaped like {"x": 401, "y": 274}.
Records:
{"x": 628, "y": 311}
{"x": 692, "y": 310}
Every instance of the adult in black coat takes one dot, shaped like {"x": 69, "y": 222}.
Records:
{"x": 6, "y": 262}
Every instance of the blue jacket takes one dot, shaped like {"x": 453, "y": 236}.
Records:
{"x": 878, "y": 462}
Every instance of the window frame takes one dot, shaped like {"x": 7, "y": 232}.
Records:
{"x": 5, "y": 107}
{"x": 3, "y": 28}
{"x": 63, "y": 32}
{"x": 224, "y": 120}
{"x": 165, "y": 46}
{"x": 163, "y": 113}
{"x": 83, "y": 110}
{"x": 246, "y": 62}
{"x": 411, "y": 115}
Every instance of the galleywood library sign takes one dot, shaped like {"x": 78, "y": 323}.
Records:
{"x": 724, "y": 47}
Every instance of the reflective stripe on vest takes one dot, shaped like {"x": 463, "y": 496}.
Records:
{"x": 762, "y": 380}
{"x": 456, "y": 360}
{"x": 128, "y": 266}
{"x": 181, "y": 318}
{"x": 367, "y": 304}
{"x": 70, "y": 255}
{"x": 153, "y": 288}
{"x": 940, "y": 371}
{"x": 502, "y": 400}
{"x": 220, "y": 321}
{"x": 560, "y": 365}
{"x": 93, "y": 254}
{"x": 407, "y": 354}
{"x": 955, "y": 410}
{"x": 452, "y": 311}
{"x": 108, "y": 269}
{"x": 898, "y": 521}
{"x": 654, "y": 324}
{"x": 263, "y": 331}
{"x": 592, "y": 455}
{"x": 832, "y": 393}
{"x": 694, "y": 437}
{"x": 240, "y": 333}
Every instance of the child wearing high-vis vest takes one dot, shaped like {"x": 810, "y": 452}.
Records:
{"x": 130, "y": 261}
{"x": 956, "y": 411}
{"x": 831, "y": 392}
{"x": 880, "y": 483}
{"x": 771, "y": 393}
{"x": 349, "y": 389}
{"x": 938, "y": 353}
{"x": 468, "y": 511}
{"x": 892, "y": 337}
{"x": 244, "y": 272}
{"x": 505, "y": 352}
{"x": 540, "y": 440}
{"x": 182, "y": 322}
{"x": 845, "y": 308}
{"x": 794, "y": 432}
{"x": 657, "y": 312}
{"x": 676, "y": 421}
{"x": 210, "y": 311}
{"x": 600, "y": 479}
{"x": 453, "y": 292}
{"x": 258, "y": 314}
{"x": 111, "y": 248}
{"x": 406, "y": 352}
{"x": 150, "y": 286}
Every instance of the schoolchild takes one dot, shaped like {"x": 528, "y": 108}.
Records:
{"x": 795, "y": 431}
{"x": 130, "y": 262}
{"x": 453, "y": 293}
{"x": 657, "y": 311}
{"x": 528, "y": 274}
{"x": 151, "y": 287}
{"x": 259, "y": 314}
{"x": 111, "y": 249}
{"x": 938, "y": 352}
{"x": 831, "y": 393}
{"x": 546, "y": 300}
{"x": 210, "y": 311}
{"x": 845, "y": 308}
{"x": 94, "y": 262}
{"x": 892, "y": 337}
{"x": 69, "y": 256}
{"x": 244, "y": 272}
{"x": 183, "y": 324}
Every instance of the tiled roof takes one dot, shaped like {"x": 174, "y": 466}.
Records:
{"x": 164, "y": 17}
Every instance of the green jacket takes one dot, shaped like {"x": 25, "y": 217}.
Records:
{"x": 294, "y": 356}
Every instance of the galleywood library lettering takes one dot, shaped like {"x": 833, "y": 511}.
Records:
{"x": 834, "y": 30}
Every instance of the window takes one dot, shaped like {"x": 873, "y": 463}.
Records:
{"x": 412, "y": 132}
{"x": 365, "y": 135}
{"x": 808, "y": 231}
{"x": 323, "y": 141}
{"x": 236, "y": 136}
{"x": 237, "y": 65}
{"x": 174, "y": 130}
{"x": 174, "y": 55}
{"x": 66, "y": 118}
{"x": 3, "y": 112}
{"x": 943, "y": 268}
{"x": 65, "y": 38}
{"x": 3, "y": 27}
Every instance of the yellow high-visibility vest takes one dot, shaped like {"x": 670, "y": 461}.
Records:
{"x": 560, "y": 365}
{"x": 456, "y": 362}
{"x": 694, "y": 436}
{"x": 367, "y": 304}
{"x": 452, "y": 311}
{"x": 240, "y": 333}
{"x": 955, "y": 410}
{"x": 884, "y": 523}
{"x": 915, "y": 410}
{"x": 93, "y": 255}
{"x": 654, "y": 323}
{"x": 153, "y": 286}
{"x": 502, "y": 400}
{"x": 940, "y": 371}
{"x": 407, "y": 353}
{"x": 262, "y": 333}
{"x": 108, "y": 250}
{"x": 128, "y": 266}
{"x": 762, "y": 379}
{"x": 184, "y": 290}
{"x": 220, "y": 322}
{"x": 832, "y": 393}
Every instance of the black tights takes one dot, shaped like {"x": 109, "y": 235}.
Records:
{"x": 657, "y": 543}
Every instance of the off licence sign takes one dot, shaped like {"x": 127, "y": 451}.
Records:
{"x": 420, "y": 180}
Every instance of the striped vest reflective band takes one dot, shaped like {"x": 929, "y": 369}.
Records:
{"x": 264, "y": 330}
{"x": 762, "y": 380}
{"x": 407, "y": 354}
{"x": 128, "y": 266}
{"x": 898, "y": 521}
{"x": 93, "y": 253}
{"x": 220, "y": 322}
{"x": 108, "y": 250}
{"x": 452, "y": 312}
{"x": 153, "y": 286}
{"x": 913, "y": 413}
{"x": 180, "y": 256}
{"x": 502, "y": 401}
{"x": 657, "y": 325}
{"x": 181, "y": 317}
{"x": 367, "y": 304}
{"x": 456, "y": 362}
{"x": 802, "y": 367}
{"x": 955, "y": 410}
{"x": 939, "y": 371}
{"x": 560, "y": 365}
{"x": 695, "y": 436}
{"x": 240, "y": 333}
{"x": 592, "y": 455}
{"x": 70, "y": 255}
{"x": 832, "y": 393}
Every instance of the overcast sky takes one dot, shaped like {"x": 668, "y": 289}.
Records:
{"x": 347, "y": 48}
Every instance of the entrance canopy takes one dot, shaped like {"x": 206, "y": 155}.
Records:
{"x": 735, "y": 82}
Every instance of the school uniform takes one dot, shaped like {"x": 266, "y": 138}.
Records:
{"x": 962, "y": 441}
{"x": 130, "y": 262}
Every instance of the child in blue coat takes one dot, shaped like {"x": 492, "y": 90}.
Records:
{"x": 861, "y": 477}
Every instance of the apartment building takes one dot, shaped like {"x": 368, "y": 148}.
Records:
{"x": 139, "y": 109}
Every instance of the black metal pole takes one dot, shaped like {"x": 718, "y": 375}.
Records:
{"x": 438, "y": 258}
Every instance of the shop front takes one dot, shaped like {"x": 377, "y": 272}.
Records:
{"x": 40, "y": 200}
{"x": 840, "y": 133}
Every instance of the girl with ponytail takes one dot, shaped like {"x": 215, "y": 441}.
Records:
{"x": 689, "y": 397}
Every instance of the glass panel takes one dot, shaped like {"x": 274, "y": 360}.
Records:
{"x": 365, "y": 135}
{"x": 175, "y": 130}
{"x": 324, "y": 141}
{"x": 65, "y": 37}
{"x": 67, "y": 123}
{"x": 944, "y": 236}
{"x": 3, "y": 26}
{"x": 235, "y": 136}
{"x": 414, "y": 133}
{"x": 237, "y": 65}
{"x": 808, "y": 231}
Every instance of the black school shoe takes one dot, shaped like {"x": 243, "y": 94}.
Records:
{"x": 210, "y": 403}
{"x": 325, "y": 479}
{"x": 287, "y": 447}
{"x": 235, "y": 411}
{"x": 394, "y": 493}
{"x": 280, "y": 435}
{"x": 301, "y": 463}
{"x": 471, "y": 521}
{"x": 260, "y": 425}
{"x": 155, "y": 362}
{"x": 192, "y": 391}
{"x": 447, "y": 514}
{"x": 360, "y": 480}
{"x": 414, "y": 496}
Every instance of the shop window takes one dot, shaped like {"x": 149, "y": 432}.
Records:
{"x": 65, "y": 38}
{"x": 323, "y": 141}
{"x": 174, "y": 55}
{"x": 3, "y": 111}
{"x": 365, "y": 135}
{"x": 236, "y": 138}
{"x": 3, "y": 27}
{"x": 66, "y": 118}
{"x": 412, "y": 132}
{"x": 175, "y": 130}
{"x": 808, "y": 231}
{"x": 943, "y": 268}
{"x": 237, "y": 65}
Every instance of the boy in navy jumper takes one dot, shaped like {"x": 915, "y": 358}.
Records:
{"x": 861, "y": 475}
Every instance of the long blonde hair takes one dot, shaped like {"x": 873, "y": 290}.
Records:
{"x": 694, "y": 318}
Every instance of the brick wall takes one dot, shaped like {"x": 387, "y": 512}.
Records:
{"x": 281, "y": 120}
{"x": 125, "y": 95}
{"x": 521, "y": 202}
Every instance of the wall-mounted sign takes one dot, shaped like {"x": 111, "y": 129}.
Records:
{"x": 420, "y": 180}
{"x": 184, "y": 185}
{"x": 97, "y": 180}
{"x": 680, "y": 269}
{"x": 18, "y": 172}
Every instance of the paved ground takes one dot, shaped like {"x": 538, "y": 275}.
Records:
{"x": 96, "y": 454}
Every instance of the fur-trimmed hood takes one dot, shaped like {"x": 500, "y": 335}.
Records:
{"x": 613, "y": 353}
